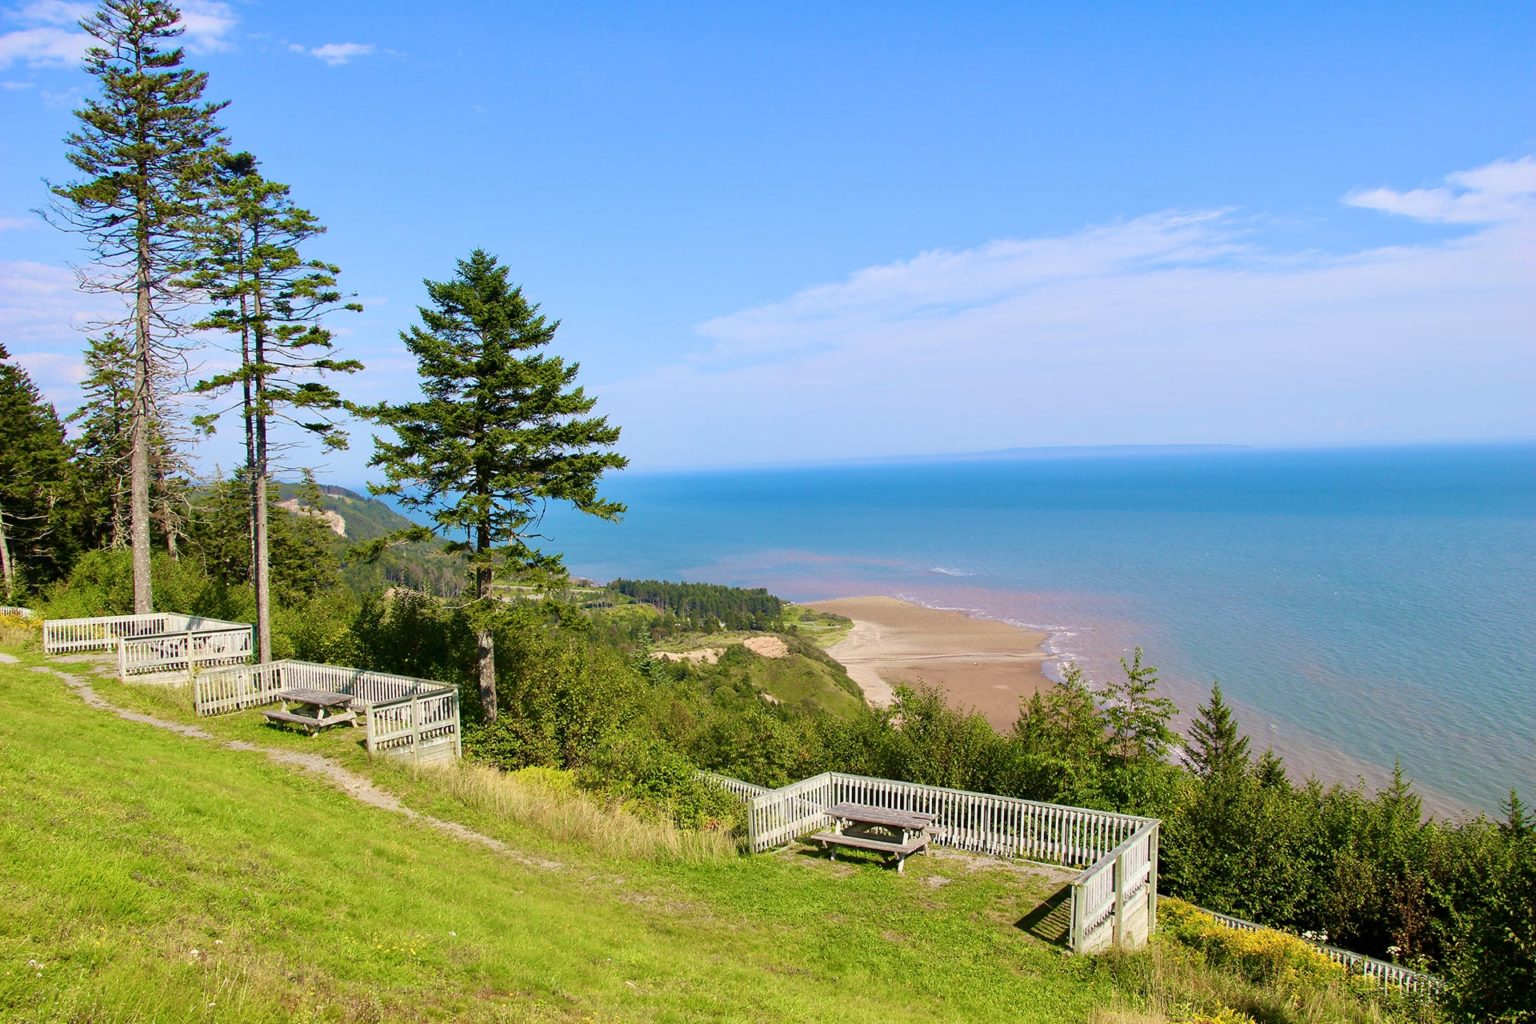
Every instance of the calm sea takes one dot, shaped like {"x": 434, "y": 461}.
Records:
{"x": 1358, "y": 606}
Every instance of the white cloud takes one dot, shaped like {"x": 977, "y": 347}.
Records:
{"x": 1167, "y": 328}
{"x": 51, "y": 36}
{"x": 18, "y": 223}
{"x": 334, "y": 54}
{"x": 1496, "y": 193}
{"x": 209, "y": 25}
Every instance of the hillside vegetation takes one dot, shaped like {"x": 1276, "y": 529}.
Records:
{"x": 156, "y": 877}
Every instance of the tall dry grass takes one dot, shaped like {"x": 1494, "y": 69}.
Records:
{"x": 549, "y": 801}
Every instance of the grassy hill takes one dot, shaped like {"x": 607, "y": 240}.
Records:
{"x": 155, "y": 877}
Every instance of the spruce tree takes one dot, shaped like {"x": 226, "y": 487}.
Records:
{"x": 143, "y": 149}
{"x": 502, "y": 430}
{"x": 39, "y": 505}
{"x": 103, "y": 442}
{"x": 273, "y": 301}
{"x": 1216, "y": 749}
{"x": 1137, "y": 716}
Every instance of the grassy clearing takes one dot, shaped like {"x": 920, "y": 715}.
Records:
{"x": 821, "y": 628}
{"x": 152, "y": 877}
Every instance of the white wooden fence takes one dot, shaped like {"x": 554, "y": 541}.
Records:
{"x": 15, "y": 612}
{"x": 103, "y": 632}
{"x": 1405, "y": 978}
{"x": 405, "y": 716}
{"x": 1114, "y": 900}
{"x": 175, "y": 656}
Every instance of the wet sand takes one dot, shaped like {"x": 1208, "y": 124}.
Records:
{"x": 979, "y": 664}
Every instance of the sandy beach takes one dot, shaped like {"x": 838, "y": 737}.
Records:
{"x": 980, "y": 664}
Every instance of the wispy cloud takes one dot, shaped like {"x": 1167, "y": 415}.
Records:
{"x": 50, "y": 35}
{"x": 18, "y": 223}
{"x": 1497, "y": 193}
{"x": 334, "y": 54}
{"x": 1170, "y": 327}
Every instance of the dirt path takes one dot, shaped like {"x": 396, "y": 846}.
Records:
{"x": 349, "y": 782}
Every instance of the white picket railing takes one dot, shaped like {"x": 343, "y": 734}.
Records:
{"x": 1405, "y": 978}
{"x": 15, "y": 611}
{"x": 222, "y": 690}
{"x": 744, "y": 790}
{"x": 405, "y": 716}
{"x": 1114, "y": 900}
{"x": 103, "y": 632}
{"x": 184, "y": 654}
{"x": 424, "y": 726}
{"x": 980, "y": 822}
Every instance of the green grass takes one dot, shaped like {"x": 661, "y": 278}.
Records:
{"x": 153, "y": 877}
{"x": 128, "y": 848}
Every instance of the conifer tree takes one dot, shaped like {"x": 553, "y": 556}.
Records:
{"x": 273, "y": 301}
{"x": 143, "y": 150}
{"x": 39, "y": 507}
{"x": 1137, "y": 716}
{"x": 1216, "y": 749}
{"x": 502, "y": 430}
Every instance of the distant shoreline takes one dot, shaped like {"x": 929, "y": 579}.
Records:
{"x": 980, "y": 664}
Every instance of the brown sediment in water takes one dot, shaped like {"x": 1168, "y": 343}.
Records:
{"x": 980, "y": 664}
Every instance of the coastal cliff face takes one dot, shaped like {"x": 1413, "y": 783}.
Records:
{"x": 334, "y": 520}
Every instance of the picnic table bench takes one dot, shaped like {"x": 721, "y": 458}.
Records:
{"x": 322, "y": 708}
{"x": 879, "y": 829}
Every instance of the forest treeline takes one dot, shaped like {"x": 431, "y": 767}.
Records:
{"x": 704, "y": 607}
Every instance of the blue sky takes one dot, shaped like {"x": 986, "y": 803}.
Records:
{"x": 784, "y": 232}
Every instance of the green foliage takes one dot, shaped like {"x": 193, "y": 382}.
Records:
{"x": 1137, "y": 717}
{"x": 302, "y": 548}
{"x": 1216, "y": 749}
{"x": 503, "y": 428}
{"x": 705, "y": 607}
{"x": 656, "y": 775}
{"x": 40, "y": 497}
{"x": 274, "y": 301}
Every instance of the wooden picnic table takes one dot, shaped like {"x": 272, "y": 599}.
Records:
{"x": 321, "y": 710}
{"x": 879, "y": 829}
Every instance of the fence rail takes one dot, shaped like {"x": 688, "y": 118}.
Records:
{"x": 405, "y": 716}
{"x": 182, "y": 654}
{"x": 979, "y": 822}
{"x": 1405, "y": 978}
{"x": 1114, "y": 900}
{"x": 15, "y": 611}
{"x": 103, "y": 632}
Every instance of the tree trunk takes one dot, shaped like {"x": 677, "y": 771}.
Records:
{"x": 7, "y": 573}
{"x": 139, "y": 431}
{"x": 485, "y": 637}
{"x": 261, "y": 574}
{"x": 261, "y": 561}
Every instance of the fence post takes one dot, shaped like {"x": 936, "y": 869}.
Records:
{"x": 415, "y": 729}
{"x": 122, "y": 659}
{"x": 1118, "y": 894}
{"x": 1075, "y": 938}
{"x": 1152, "y": 845}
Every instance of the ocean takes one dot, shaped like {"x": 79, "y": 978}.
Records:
{"x": 1359, "y": 606}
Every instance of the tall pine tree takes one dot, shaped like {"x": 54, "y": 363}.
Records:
{"x": 501, "y": 431}
{"x": 143, "y": 149}
{"x": 273, "y": 301}
{"x": 39, "y": 501}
